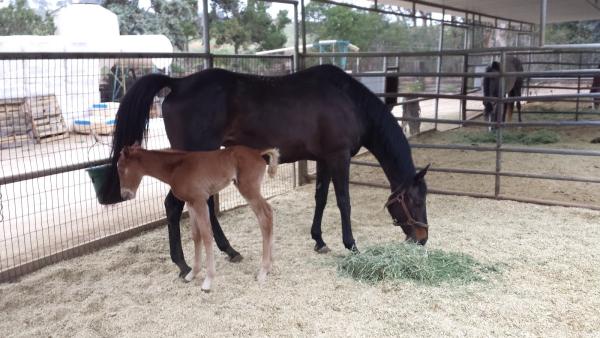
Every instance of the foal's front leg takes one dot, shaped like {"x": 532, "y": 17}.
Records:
{"x": 203, "y": 226}
{"x": 197, "y": 238}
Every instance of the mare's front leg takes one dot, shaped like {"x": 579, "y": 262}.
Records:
{"x": 339, "y": 168}
{"x": 321, "y": 191}
{"x": 219, "y": 235}
{"x": 174, "y": 208}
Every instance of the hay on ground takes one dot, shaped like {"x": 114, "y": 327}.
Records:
{"x": 403, "y": 261}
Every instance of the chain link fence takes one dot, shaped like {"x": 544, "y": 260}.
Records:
{"x": 56, "y": 117}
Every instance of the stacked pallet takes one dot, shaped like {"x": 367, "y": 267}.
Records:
{"x": 47, "y": 122}
{"x": 14, "y": 122}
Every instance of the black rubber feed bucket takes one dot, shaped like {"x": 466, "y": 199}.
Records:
{"x": 99, "y": 175}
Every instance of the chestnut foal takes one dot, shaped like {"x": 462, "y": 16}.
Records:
{"x": 194, "y": 177}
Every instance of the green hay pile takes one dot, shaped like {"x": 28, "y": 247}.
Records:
{"x": 542, "y": 136}
{"x": 412, "y": 262}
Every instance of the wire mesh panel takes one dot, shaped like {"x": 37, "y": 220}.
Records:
{"x": 57, "y": 113}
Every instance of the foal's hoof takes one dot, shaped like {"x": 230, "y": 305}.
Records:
{"x": 205, "y": 290}
{"x": 322, "y": 250}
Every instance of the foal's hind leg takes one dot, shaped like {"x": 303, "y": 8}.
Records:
{"x": 249, "y": 188}
{"x": 264, "y": 214}
{"x": 321, "y": 191}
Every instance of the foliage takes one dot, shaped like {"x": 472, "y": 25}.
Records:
{"x": 542, "y": 136}
{"x": 412, "y": 262}
{"x": 175, "y": 19}
{"x": 573, "y": 32}
{"x": 243, "y": 26}
{"x": 19, "y": 19}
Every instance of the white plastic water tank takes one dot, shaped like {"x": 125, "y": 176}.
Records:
{"x": 86, "y": 21}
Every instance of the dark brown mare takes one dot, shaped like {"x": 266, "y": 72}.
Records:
{"x": 513, "y": 86}
{"x": 320, "y": 114}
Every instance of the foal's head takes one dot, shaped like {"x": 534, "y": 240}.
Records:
{"x": 407, "y": 206}
{"x": 129, "y": 169}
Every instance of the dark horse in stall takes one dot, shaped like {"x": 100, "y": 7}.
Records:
{"x": 320, "y": 114}
{"x": 491, "y": 88}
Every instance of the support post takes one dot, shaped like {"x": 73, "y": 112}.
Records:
{"x": 579, "y": 89}
{"x": 303, "y": 172}
{"x": 463, "y": 89}
{"x": 542, "y": 28}
{"x": 439, "y": 67}
{"x": 206, "y": 33}
{"x": 499, "y": 119}
{"x": 303, "y": 23}
{"x": 296, "y": 60}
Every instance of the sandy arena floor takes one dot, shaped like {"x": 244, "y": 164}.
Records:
{"x": 548, "y": 285}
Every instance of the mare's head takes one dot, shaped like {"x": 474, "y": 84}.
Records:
{"x": 129, "y": 169}
{"x": 408, "y": 207}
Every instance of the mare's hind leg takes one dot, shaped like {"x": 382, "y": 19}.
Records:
{"x": 220, "y": 238}
{"x": 197, "y": 238}
{"x": 321, "y": 191}
{"x": 339, "y": 168}
{"x": 174, "y": 208}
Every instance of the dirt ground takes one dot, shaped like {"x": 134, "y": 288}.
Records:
{"x": 548, "y": 284}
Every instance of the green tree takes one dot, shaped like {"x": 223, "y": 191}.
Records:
{"x": 231, "y": 23}
{"x": 370, "y": 31}
{"x": 19, "y": 19}
{"x": 573, "y": 32}
{"x": 175, "y": 19}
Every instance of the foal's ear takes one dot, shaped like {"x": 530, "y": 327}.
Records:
{"x": 125, "y": 152}
{"x": 421, "y": 174}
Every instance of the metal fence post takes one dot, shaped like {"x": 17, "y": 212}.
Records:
{"x": 439, "y": 67}
{"x": 463, "y": 89}
{"x": 578, "y": 89}
{"x": 499, "y": 119}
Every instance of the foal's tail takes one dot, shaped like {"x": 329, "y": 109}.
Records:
{"x": 273, "y": 154}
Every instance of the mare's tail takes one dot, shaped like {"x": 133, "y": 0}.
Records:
{"x": 273, "y": 154}
{"x": 131, "y": 125}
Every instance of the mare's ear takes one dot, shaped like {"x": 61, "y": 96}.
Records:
{"x": 421, "y": 174}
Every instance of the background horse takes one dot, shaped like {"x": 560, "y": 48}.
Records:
{"x": 595, "y": 89}
{"x": 193, "y": 178}
{"x": 320, "y": 114}
{"x": 513, "y": 86}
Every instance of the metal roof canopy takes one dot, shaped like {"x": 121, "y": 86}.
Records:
{"x": 516, "y": 10}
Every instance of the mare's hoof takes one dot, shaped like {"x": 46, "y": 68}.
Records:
{"x": 236, "y": 258}
{"x": 183, "y": 272}
{"x": 189, "y": 277}
{"x": 322, "y": 250}
{"x": 354, "y": 249}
